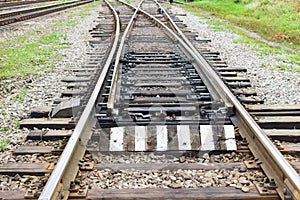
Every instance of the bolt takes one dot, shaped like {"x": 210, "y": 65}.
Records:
{"x": 80, "y": 191}
{"x": 264, "y": 190}
{"x": 272, "y": 182}
{"x": 261, "y": 184}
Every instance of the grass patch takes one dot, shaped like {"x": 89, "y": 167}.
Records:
{"x": 295, "y": 59}
{"x": 287, "y": 68}
{"x": 275, "y": 20}
{"x": 217, "y": 26}
{"x": 5, "y": 129}
{"x": 19, "y": 57}
{"x": 22, "y": 56}
{"x": 264, "y": 49}
{"x": 3, "y": 144}
{"x": 70, "y": 23}
{"x": 17, "y": 123}
{"x": 247, "y": 14}
{"x": 21, "y": 96}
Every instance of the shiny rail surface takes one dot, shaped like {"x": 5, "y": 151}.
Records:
{"x": 20, "y": 3}
{"x": 275, "y": 166}
{"x": 24, "y": 14}
{"x": 116, "y": 74}
{"x": 273, "y": 162}
{"x": 67, "y": 166}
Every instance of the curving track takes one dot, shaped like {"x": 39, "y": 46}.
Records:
{"x": 157, "y": 93}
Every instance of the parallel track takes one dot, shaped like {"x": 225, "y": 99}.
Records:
{"x": 198, "y": 97}
{"x": 7, "y": 4}
{"x": 10, "y": 17}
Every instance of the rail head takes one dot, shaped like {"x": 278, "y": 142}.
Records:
{"x": 67, "y": 166}
{"x": 274, "y": 164}
{"x": 116, "y": 72}
{"x": 288, "y": 180}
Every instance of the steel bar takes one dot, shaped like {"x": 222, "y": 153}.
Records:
{"x": 274, "y": 164}
{"x": 76, "y": 146}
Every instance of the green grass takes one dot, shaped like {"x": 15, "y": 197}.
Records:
{"x": 276, "y": 20}
{"x": 70, "y": 23}
{"x": 19, "y": 57}
{"x": 247, "y": 14}
{"x": 19, "y": 97}
{"x": 5, "y": 129}
{"x": 218, "y": 26}
{"x": 17, "y": 123}
{"x": 284, "y": 67}
{"x": 264, "y": 49}
{"x": 33, "y": 52}
{"x": 295, "y": 58}
{"x": 3, "y": 144}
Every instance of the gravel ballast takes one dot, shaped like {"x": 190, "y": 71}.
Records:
{"x": 274, "y": 85}
{"x": 39, "y": 90}
{"x": 43, "y": 89}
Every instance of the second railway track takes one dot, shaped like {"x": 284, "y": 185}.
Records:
{"x": 22, "y": 14}
{"x": 164, "y": 121}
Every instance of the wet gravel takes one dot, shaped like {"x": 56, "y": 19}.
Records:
{"x": 274, "y": 85}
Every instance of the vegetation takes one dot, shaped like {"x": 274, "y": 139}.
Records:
{"x": 70, "y": 23}
{"x": 34, "y": 51}
{"x": 3, "y": 144}
{"x": 277, "y": 20}
{"x": 5, "y": 129}
{"x": 283, "y": 27}
{"x": 21, "y": 57}
{"x": 19, "y": 97}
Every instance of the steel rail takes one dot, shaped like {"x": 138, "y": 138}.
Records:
{"x": 34, "y": 9}
{"x": 24, "y": 14}
{"x": 217, "y": 93}
{"x": 20, "y": 3}
{"x": 117, "y": 67}
{"x": 273, "y": 163}
{"x": 67, "y": 166}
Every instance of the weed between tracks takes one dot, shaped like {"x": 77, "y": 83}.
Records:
{"x": 3, "y": 144}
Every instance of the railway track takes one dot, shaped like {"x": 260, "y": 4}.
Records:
{"x": 9, "y": 17}
{"x": 164, "y": 120}
{"x": 19, "y": 4}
